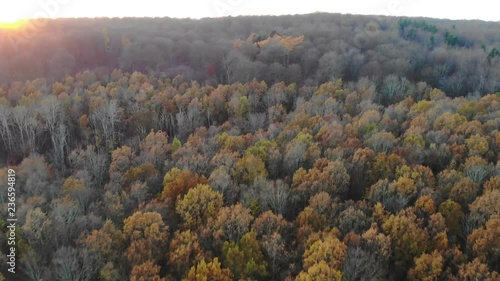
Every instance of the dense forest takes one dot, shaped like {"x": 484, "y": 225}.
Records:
{"x": 314, "y": 147}
{"x": 459, "y": 57}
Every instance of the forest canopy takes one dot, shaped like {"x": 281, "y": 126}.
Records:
{"x": 459, "y": 57}
{"x": 252, "y": 148}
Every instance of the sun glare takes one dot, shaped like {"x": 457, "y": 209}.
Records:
{"x": 12, "y": 25}
{"x": 10, "y": 21}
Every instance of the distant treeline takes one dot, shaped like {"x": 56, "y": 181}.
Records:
{"x": 459, "y": 57}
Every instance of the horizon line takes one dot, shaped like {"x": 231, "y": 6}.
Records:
{"x": 238, "y": 16}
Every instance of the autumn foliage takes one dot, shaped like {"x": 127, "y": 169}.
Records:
{"x": 295, "y": 157}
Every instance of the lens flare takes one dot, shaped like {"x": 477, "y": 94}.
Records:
{"x": 11, "y": 24}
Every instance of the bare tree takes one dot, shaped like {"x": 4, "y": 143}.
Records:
{"x": 27, "y": 127}
{"x": 294, "y": 155}
{"x": 381, "y": 142}
{"x": 332, "y": 66}
{"x": 5, "y": 129}
{"x": 91, "y": 160}
{"x": 50, "y": 109}
{"x": 478, "y": 172}
{"x": 60, "y": 139}
{"x": 64, "y": 214}
{"x": 275, "y": 196}
{"x": 163, "y": 120}
{"x": 182, "y": 125}
{"x": 274, "y": 247}
{"x": 386, "y": 194}
{"x": 105, "y": 118}
{"x": 394, "y": 89}
{"x": 362, "y": 265}
{"x": 256, "y": 121}
{"x": 72, "y": 264}
{"x": 220, "y": 180}
{"x": 32, "y": 265}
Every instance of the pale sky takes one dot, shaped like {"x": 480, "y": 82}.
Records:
{"x": 11, "y": 10}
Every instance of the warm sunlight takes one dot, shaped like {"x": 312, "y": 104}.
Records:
{"x": 9, "y": 21}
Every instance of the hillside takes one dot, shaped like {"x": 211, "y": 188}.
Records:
{"x": 460, "y": 57}
{"x": 251, "y": 148}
